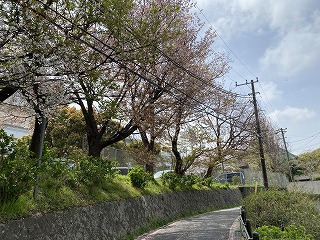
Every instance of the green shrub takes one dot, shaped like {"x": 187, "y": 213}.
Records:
{"x": 215, "y": 185}
{"x": 171, "y": 180}
{"x": 282, "y": 209}
{"x": 6, "y": 144}
{"x": 189, "y": 180}
{"x": 94, "y": 171}
{"x": 290, "y": 232}
{"x": 139, "y": 177}
{"x": 17, "y": 170}
{"x": 207, "y": 181}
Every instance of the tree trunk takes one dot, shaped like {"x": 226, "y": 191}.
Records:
{"x": 95, "y": 135}
{"x": 94, "y": 145}
{"x": 209, "y": 171}
{"x": 149, "y": 145}
{"x": 174, "y": 146}
{"x": 179, "y": 163}
{"x": 150, "y": 164}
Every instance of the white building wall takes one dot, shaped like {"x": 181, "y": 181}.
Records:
{"x": 16, "y": 131}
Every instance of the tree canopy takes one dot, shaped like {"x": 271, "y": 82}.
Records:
{"x": 129, "y": 65}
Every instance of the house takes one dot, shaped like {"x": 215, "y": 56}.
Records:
{"x": 16, "y": 117}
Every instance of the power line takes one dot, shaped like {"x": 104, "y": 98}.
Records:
{"x": 301, "y": 140}
{"x": 245, "y": 66}
{"x": 226, "y": 44}
{"x": 313, "y": 138}
{"x": 177, "y": 64}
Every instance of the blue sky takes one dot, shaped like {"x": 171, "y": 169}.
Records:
{"x": 277, "y": 41}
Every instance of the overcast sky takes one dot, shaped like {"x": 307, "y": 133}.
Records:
{"x": 277, "y": 41}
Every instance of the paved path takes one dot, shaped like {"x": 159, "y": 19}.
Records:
{"x": 222, "y": 224}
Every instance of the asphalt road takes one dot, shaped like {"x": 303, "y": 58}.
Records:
{"x": 222, "y": 224}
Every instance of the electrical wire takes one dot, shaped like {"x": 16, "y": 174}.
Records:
{"x": 236, "y": 56}
{"x": 178, "y": 65}
{"x": 313, "y": 138}
{"x": 201, "y": 12}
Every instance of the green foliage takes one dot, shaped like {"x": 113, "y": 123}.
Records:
{"x": 207, "y": 181}
{"x": 309, "y": 162}
{"x": 171, "y": 180}
{"x": 175, "y": 182}
{"x": 6, "y": 143}
{"x": 95, "y": 171}
{"x": 56, "y": 172}
{"x": 282, "y": 209}
{"x": 17, "y": 208}
{"x": 236, "y": 180}
{"x": 189, "y": 180}
{"x": 17, "y": 169}
{"x": 219, "y": 185}
{"x": 139, "y": 177}
{"x": 290, "y": 232}
{"x": 65, "y": 132}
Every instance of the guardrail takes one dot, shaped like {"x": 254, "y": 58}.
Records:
{"x": 245, "y": 227}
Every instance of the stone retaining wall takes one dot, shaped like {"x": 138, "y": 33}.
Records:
{"x": 113, "y": 220}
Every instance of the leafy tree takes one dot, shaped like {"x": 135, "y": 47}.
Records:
{"x": 107, "y": 61}
{"x": 140, "y": 154}
{"x": 28, "y": 54}
{"x": 229, "y": 129}
{"x": 116, "y": 59}
{"x": 66, "y": 131}
{"x": 181, "y": 55}
{"x": 309, "y": 162}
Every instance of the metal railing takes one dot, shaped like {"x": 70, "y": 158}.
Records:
{"x": 245, "y": 227}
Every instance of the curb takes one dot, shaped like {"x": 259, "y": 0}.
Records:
{"x": 235, "y": 232}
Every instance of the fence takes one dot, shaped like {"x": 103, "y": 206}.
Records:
{"x": 245, "y": 227}
{"x": 119, "y": 155}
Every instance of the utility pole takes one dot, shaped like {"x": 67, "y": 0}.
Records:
{"x": 286, "y": 149}
{"x": 39, "y": 155}
{"x": 258, "y": 129}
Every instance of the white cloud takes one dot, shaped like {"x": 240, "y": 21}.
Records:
{"x": 270, "y": 91}
{"x": 236, "y": 16}
{"x": 296, "y": 51}
{"x": 293, "y": 24}
{"x": 293, "y": 114}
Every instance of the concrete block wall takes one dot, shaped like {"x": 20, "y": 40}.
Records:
{"x": 312, "y": 187}
{"x": 113, "y": 220}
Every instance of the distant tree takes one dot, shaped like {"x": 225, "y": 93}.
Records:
{"x": 66, "y": 131}
{"x": 310, "y": 162}
{"x": 229, "y": 129}
{"x": 274, "y": 150}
